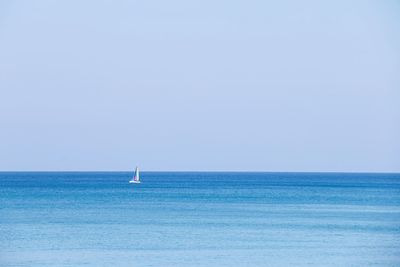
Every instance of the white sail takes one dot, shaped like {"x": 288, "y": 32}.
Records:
{"x": 136, "y": 178}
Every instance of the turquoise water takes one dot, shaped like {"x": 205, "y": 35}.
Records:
{"x": 199, "y": 219}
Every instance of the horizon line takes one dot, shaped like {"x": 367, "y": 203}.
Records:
{"x": 209, "y": 171}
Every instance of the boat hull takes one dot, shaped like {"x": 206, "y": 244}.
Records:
{"x": 134, "y": 182}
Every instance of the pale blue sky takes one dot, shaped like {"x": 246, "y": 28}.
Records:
{"x": 200, "y": 85}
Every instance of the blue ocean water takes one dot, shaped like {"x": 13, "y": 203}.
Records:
{"x": 199, "y": 219}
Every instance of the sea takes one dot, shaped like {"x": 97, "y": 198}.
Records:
{"x": 199, "y": 219}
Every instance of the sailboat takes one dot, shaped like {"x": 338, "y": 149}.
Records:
{"x": 135, "y": 179}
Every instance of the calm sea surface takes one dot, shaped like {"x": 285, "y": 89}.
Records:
{"x": 199, "y": 219}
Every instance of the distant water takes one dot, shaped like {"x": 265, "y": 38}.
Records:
{"x": 199, "y": 219}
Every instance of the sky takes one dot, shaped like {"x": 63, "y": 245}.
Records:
{"x": 200, "y": 85}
